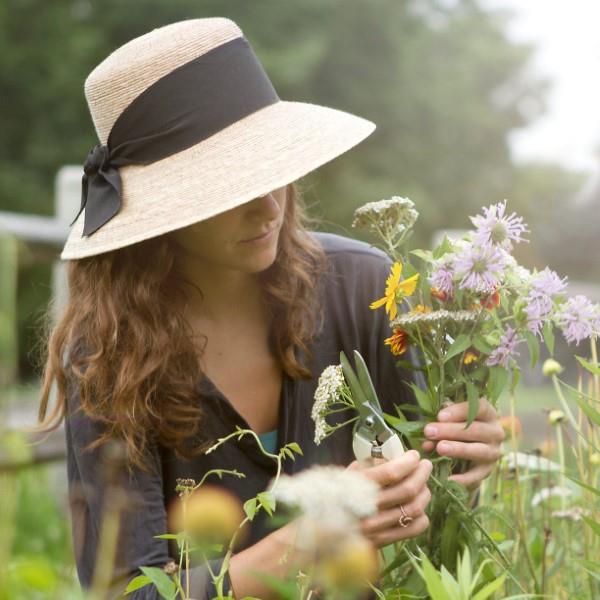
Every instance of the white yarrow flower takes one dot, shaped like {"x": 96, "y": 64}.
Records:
{"x": 328, "y": 391}
{"x": 394, "y": 214}
{"x": 330, "y": 495}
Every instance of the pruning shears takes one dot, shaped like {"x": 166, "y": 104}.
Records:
{"x": 373, "y": 437}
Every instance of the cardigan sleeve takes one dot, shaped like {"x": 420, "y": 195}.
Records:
{"x": 94, "y": 489}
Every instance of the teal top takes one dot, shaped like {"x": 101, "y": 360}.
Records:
{"x": 269, "y": 440}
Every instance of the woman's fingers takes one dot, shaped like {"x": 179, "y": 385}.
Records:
{"x": 475, "y": 451}
{"x": 460, "y": 410}
{"x": 408, "y": 488}
{"x": 388, "y": 472}
{"x": 389, "y": 518}
{"x": 477, "y": 431}
{"x": 473, "y": 477}
{"x": 393, "y": 534}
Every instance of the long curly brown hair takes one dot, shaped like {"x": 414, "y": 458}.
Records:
{"x": 127, "y": 349}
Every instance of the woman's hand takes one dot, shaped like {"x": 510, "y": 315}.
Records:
{"x": 404, "y": 482}
{"x": 479, "y": 443}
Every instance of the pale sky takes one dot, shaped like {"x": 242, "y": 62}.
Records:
{"x": 567, "y": 35}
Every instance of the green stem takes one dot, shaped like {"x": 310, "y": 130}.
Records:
{"x": 519, "y": 505}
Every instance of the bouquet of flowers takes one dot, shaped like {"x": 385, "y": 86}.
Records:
{"x": 467, "y": 307}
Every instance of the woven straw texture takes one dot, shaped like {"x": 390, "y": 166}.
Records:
{"x": 259, "y": 153}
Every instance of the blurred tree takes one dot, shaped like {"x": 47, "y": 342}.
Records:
{"x": 441, "y": 80}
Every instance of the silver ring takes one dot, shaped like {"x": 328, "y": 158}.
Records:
{"x": 405, "y": 520}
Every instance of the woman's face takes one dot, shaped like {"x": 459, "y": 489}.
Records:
{"x": 221, "y": 241}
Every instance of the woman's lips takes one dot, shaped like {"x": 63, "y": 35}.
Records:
{"x": 260, "y": 238}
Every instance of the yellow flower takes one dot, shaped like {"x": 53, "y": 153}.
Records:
{"x": 421, "y": 309}
{"x": 395, "y": 290}
{"x": 470, "y": 357}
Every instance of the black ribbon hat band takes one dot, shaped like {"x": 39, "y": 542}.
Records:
{"x": 182, "y": 108}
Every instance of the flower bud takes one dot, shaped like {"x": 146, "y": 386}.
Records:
{"x": 212, "y": 514}
{"x": 354, "y": 561}
{"x": 508, "y": 423}
{"x": 595, "y": 459}
{"x": 551, "y": 367}
{"x": 555, "y": 417}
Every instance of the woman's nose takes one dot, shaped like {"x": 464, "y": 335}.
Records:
{"x": 266, "y": 205}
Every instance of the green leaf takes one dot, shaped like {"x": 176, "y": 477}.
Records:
{"x": 250, "y": 507}
{"x": 444, "y": 247}
{"x": 365, "y": 379}
{"x": 490, "y": 588}
{"x": 593, "y": 568}
{"x": 407, "y": 427}
{"x": 267, "y": 501}
{"x": 473, "y": 399}
{"x": 295, "y": 447}
{"x": 423, "y": 398}
{"x": 496, "y": 383}
{"x": 425, "y": 255}
{"x": 433, "y": 581}
{"x": 460, "y": 344}
{"x": 591, "y": 413}
{"x": 166, "y": 587}
{"x": 534, "y": 347}
{"x": 585, "y": 486}
{"x": 136, "y": 583}
{"x": 355, "y": 388}
{"x": 548, "y": 334}
{"x": 595, "y": 527}
{"x": 594, "y": 369}
{"x": 449, "y": 541}
{"x": 481, "y": 345}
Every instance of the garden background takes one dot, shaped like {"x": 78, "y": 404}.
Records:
{"x": 445, "y": 84}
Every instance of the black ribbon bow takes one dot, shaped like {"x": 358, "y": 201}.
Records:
{"x": 182, "y": 108}
{"x": 100, "y": 189}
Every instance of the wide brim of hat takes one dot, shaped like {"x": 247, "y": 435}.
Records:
{"x": 268, "y": 149}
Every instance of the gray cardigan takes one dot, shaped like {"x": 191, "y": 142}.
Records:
{"x": 357, "y": 277}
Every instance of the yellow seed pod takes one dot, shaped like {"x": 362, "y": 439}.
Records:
{"x": 354, "y": 561}
{"x": 551, "y": 367}
{"x": 555, "y": 417}
{"x": 212, "y": 514}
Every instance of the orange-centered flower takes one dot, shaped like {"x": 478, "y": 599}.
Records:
{"x": 397, "y": 342}
{"x": 441, "y": 296}
{"x": 491, "y": 301}
{"x": 395, "y": 290}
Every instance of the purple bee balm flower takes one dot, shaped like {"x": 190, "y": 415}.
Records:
{"x": 538, "y": 308}
{"x": 548, "y": 282}
{"x": 579, "y": 319}
{"x": 481, "y": 268}
{"x": 442, "y": 274}
{"x": 545, "y": 286}
{"x": 505, "y": 351}
{"x": 494, "y": 227}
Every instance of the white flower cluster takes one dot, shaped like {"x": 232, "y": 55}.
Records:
{"x": 328, "y": 391}
{"x": 395, "y": 213}
{"x": 329, "y": 495}
{"x": 434, "y": 317}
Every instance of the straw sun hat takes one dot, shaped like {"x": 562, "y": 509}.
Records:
{"x": 190, "y": 126}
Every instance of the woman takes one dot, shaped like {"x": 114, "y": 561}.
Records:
{"x": 182, "y": 324}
